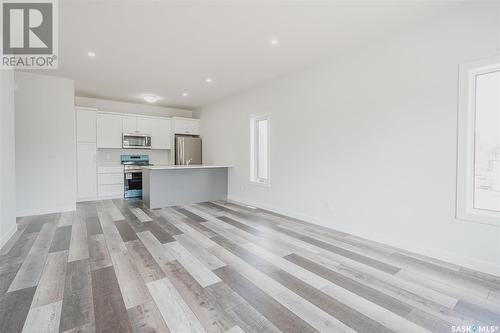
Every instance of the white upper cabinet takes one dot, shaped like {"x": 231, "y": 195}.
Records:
{"x": 129, "y": 124}
{"x": 186, "y": 126}
{"x": 86, "y": 122}
{"x": 161, "y": 133}
{"x": 193, "y": 126}
{"x": 180, "y": 126}
{"x": 144, "y": 125}
{"x": 109, "y": 131}
{"x": 133, "y": 124}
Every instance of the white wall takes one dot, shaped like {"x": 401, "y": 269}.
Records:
{"x": 45, "y": 144}
{"x": 147, "y": 110}
{"x": 366, "y": 142}
{"x": 7, "y": 157}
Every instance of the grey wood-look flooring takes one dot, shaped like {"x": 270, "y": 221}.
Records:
{"x": 115, "y": 266}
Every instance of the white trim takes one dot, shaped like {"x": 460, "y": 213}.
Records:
{"x": 136, "y": 114}
{"x": 39, "y": 211}
{"x": 118, "y": 196}
{"x": 253, "y": 180}
{"x": 87, "y": 199}
{"x": 6, "y": 237}
{"x": 84, "y": 108}
{"x": 404, "y": 244}
{"x": 465, "y": 147}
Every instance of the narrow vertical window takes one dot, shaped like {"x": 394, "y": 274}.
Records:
{"x": 478, "y": 197}
{"x": 259, "y": 149}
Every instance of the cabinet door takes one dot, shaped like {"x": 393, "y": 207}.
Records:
{"x": 129, "y": 124}
{"x": 109, "y": 131}
{"x": 144, "y": 125}
{"x": 161, "y": 134}
{"x": 86, "y": 125}
{"x": 180, "y": 126}
{"x": 86, "y": 170}
{"x": 193, "y": 127}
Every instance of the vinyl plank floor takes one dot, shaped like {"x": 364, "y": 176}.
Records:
{"x": 110, "y": 312}
{"x": 78, "y": 248}
{"x": 117, "y": 266}
{"x": 14, "y": 308}
{"x": 32, "y": 267}
{"x": 198, "y": 271}
{"x": 98, "y": 252}
{"x": 77, "y": 306}
{"x": 51, "y": 286}
{"x": 174, "y": 310}
{"x": 62, "y": 239}
{"x": 43, "y": 318}
{"x": 132, "y": 287}
{"x": 147, "y": 318}
{"x": 208, "y": 259}
{"x": 146, "y": 265}
{"x": 276, "y": 313}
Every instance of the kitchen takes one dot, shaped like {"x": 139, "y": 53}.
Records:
{"x": 124, "y": 155}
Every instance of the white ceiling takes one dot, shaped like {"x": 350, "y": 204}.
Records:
{"x": 167, "y": 48}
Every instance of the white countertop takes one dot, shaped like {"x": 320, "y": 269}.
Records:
{"x": 177, "y": 167}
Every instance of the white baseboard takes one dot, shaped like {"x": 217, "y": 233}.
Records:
{"x": 87, "y": 199}
{"x": 39, "y": 211}
{"x": 5, "y": 237}
{"x": 404, "y": 244}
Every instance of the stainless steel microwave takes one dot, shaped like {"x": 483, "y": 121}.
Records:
{"x": 136, "y": 141}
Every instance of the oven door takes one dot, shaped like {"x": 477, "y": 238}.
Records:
{"x": 140, "y": 141}
{"x": 133, "y": 184}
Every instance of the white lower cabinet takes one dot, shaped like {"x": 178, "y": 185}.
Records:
{"x": 110, "y": 179}
{"x": 110, "y": 191}
{"x": 86, "y": 171}
{"x": 110, "y": 182}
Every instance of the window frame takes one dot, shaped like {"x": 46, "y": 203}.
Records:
{"x": 254, "y": 146}
{"x": 465, "y": 209}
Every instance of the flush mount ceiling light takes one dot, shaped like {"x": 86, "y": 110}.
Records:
{"x": 150, "y": 98}
{"x": 274, "y": 42}
{"x": 208, "y": 80}
{"x": 185, "y": 94}
{"x": 91, "y": 54}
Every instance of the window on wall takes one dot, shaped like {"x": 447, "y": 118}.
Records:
{"x": 478, "y": 195}
{"x": 259, "y": 149}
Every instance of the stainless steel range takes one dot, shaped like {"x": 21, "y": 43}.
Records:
{"x": 132, "y": 167}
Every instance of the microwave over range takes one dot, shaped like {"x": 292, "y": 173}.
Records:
{"x": 136, "y": 141}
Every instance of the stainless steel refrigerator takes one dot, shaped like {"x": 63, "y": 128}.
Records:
{"x": 187, "y": 150}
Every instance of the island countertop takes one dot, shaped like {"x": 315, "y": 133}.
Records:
{"x": 177, "y": 167}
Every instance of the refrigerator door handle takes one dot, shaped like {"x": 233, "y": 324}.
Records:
{"x": 183, "y": 152}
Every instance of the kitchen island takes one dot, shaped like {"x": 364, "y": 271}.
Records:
{"x": 172, "y": 185}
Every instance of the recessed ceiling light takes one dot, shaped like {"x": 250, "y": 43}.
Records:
{"x": 208, "y": 80}
{"x": 150, "y": 98}
{"x": 274, "y": 41}
{"x": 91, "y": 54}
{"x": 185, "y": 94}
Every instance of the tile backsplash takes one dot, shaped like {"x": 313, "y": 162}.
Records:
{"x": 112, "y": 156}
